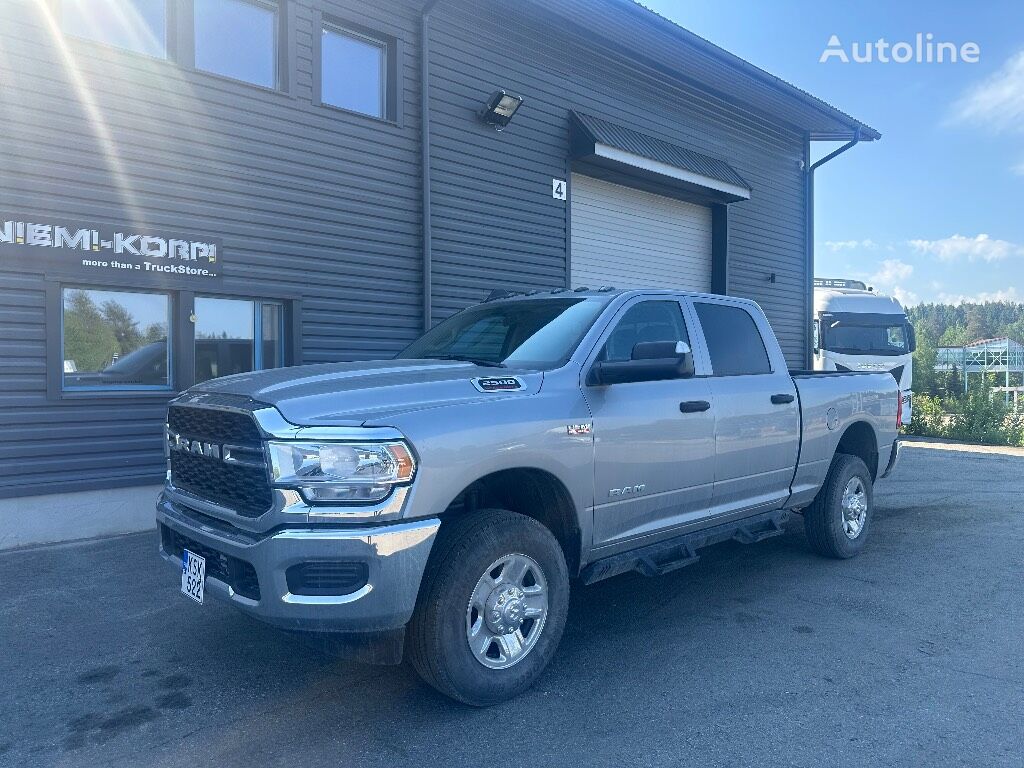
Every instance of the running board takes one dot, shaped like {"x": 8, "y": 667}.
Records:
{"x": 666, "y": 556}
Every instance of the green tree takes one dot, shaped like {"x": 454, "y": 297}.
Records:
{"x": 925, "y": 376}
{"x": 979, "y": 322}
{"x": 123, "y": 324}
{"x": 155, "y": 332}
{"x": 89, "y": 341}
{"x": 949, "y": 384}
{"x": 954, "y": 336}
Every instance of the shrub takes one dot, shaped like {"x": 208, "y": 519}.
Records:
{"x": 980, "y": 418}
{"x": 976, "y": 417}
{"x": 929, "y": 417}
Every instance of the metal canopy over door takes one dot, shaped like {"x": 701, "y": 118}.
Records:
{"x": 627, "y": 238}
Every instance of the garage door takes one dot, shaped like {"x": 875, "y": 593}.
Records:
{"x": 631, "y": 239}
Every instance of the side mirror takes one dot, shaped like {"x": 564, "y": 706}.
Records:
{"x": 650, "y": 361}
{"x": 911, "y": 338}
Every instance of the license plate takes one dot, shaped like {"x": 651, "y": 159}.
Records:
{"x": 193, "y": 575}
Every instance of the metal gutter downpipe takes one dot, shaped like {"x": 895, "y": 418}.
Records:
{"x": 425, "y": 156}
{"x": 809, "y": 297}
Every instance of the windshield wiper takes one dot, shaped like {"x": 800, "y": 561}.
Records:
{"x": 471, "y": 359}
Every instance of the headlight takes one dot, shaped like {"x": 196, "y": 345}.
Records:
{"x": 341, "y": 472}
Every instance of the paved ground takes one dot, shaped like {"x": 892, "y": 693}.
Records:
{"x": 763, "y": 655}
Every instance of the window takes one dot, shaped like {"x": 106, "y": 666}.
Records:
{"x": 734, "y": 343}
{"x": 539, "y": 334}
{"x": 135, "y": 25}
{"x": 237, "y": 39}
{"x": 272, "y": 336}
{"x": 131, "y": 340}
{"x": 354, "y": 72}
{"x": 854, "y": 334}
{"x": 115, "y": 339}
{"x": 645, "y": 321}
{"x": 226, "y": 331}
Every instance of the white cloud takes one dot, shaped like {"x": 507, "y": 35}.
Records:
{"x": 982, "y": 247}
{"x": 892, "y": 271}
{"x": 997, "y": 102}
{"x": 1007, "y": 294}
{"x": 887, "y": 277}
{"x": 905, "y": 297}
{"x": 848, "y": 245}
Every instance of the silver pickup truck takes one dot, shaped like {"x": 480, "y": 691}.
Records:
{"x": 441, "y": 503}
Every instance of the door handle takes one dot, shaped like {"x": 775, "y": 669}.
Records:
{"x": 782, "y": 399}
{"x": 694, "y": 406}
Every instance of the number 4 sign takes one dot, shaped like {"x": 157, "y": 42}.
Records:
{"x": 558, "y": 189}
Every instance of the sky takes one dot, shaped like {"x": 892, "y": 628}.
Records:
{"x": 934, "y": 211}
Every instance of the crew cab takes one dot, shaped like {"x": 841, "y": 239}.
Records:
{"x": 442, "y": 502}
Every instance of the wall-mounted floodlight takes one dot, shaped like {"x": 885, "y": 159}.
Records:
{"x": 500, "y": 108}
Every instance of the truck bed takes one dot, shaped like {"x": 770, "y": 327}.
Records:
{"x": 832, "y": 404}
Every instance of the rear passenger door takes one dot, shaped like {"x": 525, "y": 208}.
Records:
{"x": 757, "y": 431}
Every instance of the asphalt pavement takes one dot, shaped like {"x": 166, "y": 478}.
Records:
{"x": 765, "y": 655}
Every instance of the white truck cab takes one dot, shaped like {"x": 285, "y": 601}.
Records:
{"x": 856, "y": 329}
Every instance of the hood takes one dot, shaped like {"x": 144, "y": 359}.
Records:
{"x": 350, "y": 394}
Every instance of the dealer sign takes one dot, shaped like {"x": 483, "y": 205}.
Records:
{"x": 102, "y": 252}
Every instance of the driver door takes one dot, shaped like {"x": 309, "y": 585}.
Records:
{"x": 654, "y": 441}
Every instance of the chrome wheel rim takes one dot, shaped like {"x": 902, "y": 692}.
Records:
{"x": 855, "y": 508}
{"x": 507, "y": 611}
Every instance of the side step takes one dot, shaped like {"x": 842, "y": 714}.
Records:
{"x": 669, "y": 555}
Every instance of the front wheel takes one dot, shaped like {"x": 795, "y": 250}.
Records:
{"x": 838, "y": 520}
{"x": 492, "y": 607}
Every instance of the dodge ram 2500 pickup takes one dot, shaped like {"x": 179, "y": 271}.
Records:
{"x": 441, "y": 503}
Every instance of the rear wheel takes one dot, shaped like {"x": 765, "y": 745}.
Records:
{"x": 838, "y": 520}
{"x": 492, "y": 607}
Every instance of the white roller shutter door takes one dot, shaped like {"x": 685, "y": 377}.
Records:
{"x": 627, "y": 238}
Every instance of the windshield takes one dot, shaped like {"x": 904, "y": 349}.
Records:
{"x": 540, "y": 334}
{"x": 857, "y": 338}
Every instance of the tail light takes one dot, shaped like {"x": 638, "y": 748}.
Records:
{"x": 899, "y": 409}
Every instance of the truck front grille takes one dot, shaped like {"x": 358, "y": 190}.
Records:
{"x": 242, "y": 488}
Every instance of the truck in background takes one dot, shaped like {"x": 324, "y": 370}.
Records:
{"x": 856, "y": 329}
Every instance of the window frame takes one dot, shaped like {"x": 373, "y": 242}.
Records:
{"x": 181, "y": 336}
{"x": 596, "y": 346}
{"x": 280, "y": 31}
{"x": 258, "y": 303}
{"x": 772, "y": 365}
{"x": 620, "y": 317}
{"x": 171, "y": 33}
{"x": 54, "y": 353}
{"x": 391, "y": 75}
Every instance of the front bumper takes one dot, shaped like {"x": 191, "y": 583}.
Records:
{"x": 395, "y": 556}
{"x": 894, "y": 457}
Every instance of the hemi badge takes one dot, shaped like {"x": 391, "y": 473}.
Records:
{"x": 574, "y": 430}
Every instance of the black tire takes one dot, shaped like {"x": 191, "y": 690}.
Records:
{"x": 823, "y": 519}
{"x": 436, "y": 640}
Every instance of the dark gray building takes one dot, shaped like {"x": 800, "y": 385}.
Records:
{"x": 191, "y": 188}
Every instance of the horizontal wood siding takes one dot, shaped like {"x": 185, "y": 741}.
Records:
{"x": 320, "y": 204}
{"x": 309, "y": 201}
{"x": 494, "y": 221}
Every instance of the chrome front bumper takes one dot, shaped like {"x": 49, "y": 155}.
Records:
{"x": 395, "y": 554}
